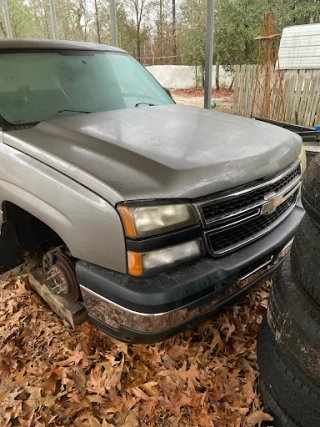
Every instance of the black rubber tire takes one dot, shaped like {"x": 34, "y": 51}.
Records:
{"x": 305, "y": 258}
{"x": 293, "y": 392}
{"x": 295, "y": 322}
{"x": 270, "y": 406}
{"x": 311, "y": 190}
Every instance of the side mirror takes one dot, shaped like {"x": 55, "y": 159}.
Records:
{"x": 168, "y": 92}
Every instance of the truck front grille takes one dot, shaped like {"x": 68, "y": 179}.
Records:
{"x": 226, "y": 240}
{"x": 236, "y": 218}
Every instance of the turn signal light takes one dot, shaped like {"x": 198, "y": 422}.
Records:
{"x": 127, "y": 220}
{"x": 140, "y": 264}
{"x": 135, "y": 263}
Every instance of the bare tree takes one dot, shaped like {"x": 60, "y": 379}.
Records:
{"x": 161, "y": 29}
{"x": 174, "y": 35}
{"x": 138, "y": 11}
{"x": 97, "y": 20}
{"x": 2, "y": 29}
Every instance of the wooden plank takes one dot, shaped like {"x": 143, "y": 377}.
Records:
{"x": 236, "y": 89}
{"x": 286, "y": 85}
{"x": 242, "y": 73}
{"x": 73, "y": 312}
{"x": 251, "y": 88}
{"x": 309, "y": 101}
{"x": 243, "y": 88}
{"x": 312, "y": 148}
{"x": 304, "y": 97}
{"x": 298, "y": 95}
{"x": 312, "y": 108}
{"x": 262, "y": 94}
{"x": 259, "y": 109}
{"x": 276, "y": 100}
{"x": 239, "y": 89}
{"x": 245, "y": 93}
{"x": 289, "y": 94}
{"x": 317, "y": 115}
{"x": 247, "y": 103}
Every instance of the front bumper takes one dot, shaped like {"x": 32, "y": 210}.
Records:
{"x": 153, "y": 309}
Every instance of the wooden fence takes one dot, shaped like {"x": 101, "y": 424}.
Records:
{"x": 301, "y": 94}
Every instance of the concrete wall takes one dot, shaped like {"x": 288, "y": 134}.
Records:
{"x": 184, "y": 76}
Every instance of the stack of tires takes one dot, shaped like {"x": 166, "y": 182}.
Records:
{"x": 289, "y": 339}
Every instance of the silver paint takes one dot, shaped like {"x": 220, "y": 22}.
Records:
{"x": 87, "y": 223}
{"x": 168, "y": 151}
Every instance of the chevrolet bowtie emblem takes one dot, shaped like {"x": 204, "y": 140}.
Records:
{"x": 272, "y": 203}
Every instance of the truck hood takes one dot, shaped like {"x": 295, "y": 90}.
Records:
{"x": 168, "y": 151}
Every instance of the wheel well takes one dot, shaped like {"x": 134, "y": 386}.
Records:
{"x": 31, "y": 232}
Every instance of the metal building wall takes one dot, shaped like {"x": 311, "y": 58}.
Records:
{"x": 300, "y": 47}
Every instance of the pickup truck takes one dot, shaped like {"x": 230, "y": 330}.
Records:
{"x": 153, "y": 215}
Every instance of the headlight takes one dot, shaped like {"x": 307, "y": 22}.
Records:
{"x": 303, "y": 159}
{"x": 150, "y": 262}
{"x": 145, "y": 221}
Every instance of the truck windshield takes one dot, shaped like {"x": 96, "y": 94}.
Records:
{"x": 37, "y": 86}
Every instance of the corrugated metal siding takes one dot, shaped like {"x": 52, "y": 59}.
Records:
{"x": 300, "y": 47}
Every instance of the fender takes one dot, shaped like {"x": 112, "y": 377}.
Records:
{"x": 88, "y": 224}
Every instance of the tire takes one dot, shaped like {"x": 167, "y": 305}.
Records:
{"x": 270, "y": 405}
{"x": 305, "y": 258}
{"x": 293, "y": 392}
{"x": 295, "y": 322}
{"x": 311, "y": 190}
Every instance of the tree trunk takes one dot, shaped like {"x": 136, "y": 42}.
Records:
{"x": 138, "y": 46}
{"x": 231, "y": 84}
{"x": 97, "y": 20}
{"x": 217, "y": 76}
{"x": 46, "y": 22}
{"x": 174, "y": 36}
{"x": 3, "y": 30}
{"x": 161, "y": 31}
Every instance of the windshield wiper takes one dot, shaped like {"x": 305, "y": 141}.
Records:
{"x": 74, "y": 111}
{"x": 145, "y": 103}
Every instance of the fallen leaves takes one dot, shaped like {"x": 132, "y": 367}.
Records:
{"x": 258, "y": 417}
{"x": 52, "y": 376}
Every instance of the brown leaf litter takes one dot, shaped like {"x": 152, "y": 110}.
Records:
{"x": 51, "y": 375}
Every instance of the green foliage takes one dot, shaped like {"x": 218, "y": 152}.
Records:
{"x": 145, "y": 26}
{"x": 192, "y": 32}
{"x": 238, "y": 22}
{"x": 236, "y": 26}
{"x": 295, "y": 12}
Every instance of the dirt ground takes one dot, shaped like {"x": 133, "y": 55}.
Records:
{"x": 195, "y": 97}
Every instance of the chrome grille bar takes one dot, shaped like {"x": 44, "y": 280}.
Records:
{"x": 211, "y": 235}
{"x": 254, "y": 210}
{"x": 240, "y": 192}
